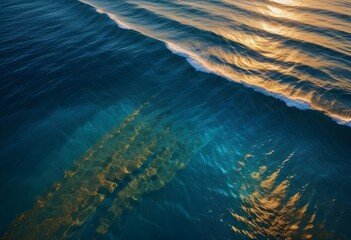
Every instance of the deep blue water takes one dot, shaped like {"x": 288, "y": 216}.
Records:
{"x": 136, "y": 119}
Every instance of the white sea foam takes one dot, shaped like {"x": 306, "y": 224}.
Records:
{"x": 114, "y": 18}
{"x": 200, "y": 63}
{"x": 119, "y": 23}
{"x": 191, "y": 57}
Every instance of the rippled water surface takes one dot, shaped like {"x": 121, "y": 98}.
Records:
{"x": 187, "y": 119}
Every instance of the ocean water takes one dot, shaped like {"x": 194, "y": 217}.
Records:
{"x": 186, "y": 119}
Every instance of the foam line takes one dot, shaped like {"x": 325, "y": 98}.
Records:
{"x": 113, "y": 17}
{"x": 200, "y": 63}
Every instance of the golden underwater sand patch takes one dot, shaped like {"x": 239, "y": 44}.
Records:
{"x": 120, "y": 153}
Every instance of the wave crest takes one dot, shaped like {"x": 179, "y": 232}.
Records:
{"x": 114, "y": 18}
{"x": 291, "y": 96}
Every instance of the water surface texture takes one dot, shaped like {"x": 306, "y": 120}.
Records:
{"x": 187, "y": 119}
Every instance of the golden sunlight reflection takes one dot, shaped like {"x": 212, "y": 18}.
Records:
{"x": 270, "y": 48}
{"x": 280, "y": 12}
{"x": 270, "y": 209}
{"x": 287, "y": 2}
{"x": 274, "y": 53}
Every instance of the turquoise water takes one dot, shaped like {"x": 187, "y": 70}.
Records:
{"x": 175, "y": 119}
